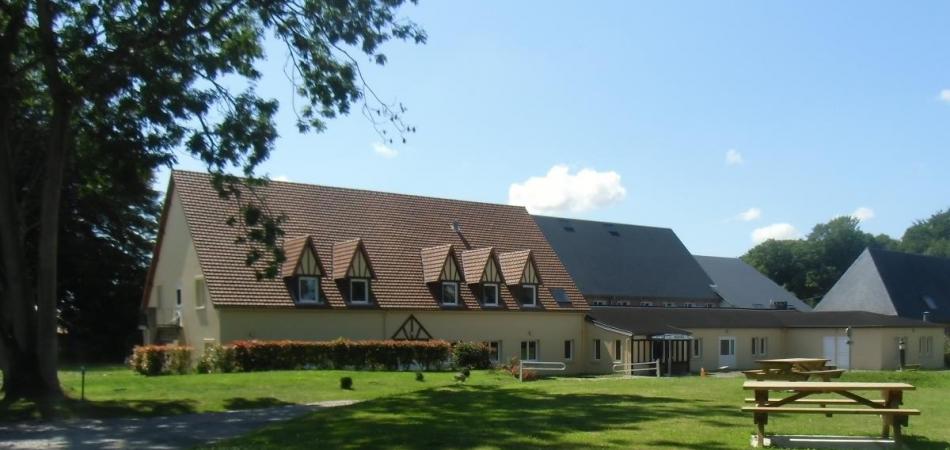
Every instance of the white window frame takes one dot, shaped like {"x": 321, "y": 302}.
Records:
{"x": 365, "y": 282}
{"x": 669, "y": 305}
{"x": 526, "y": 350}
{"x": 316, "y": 292}
{"x": 534, "y": 295}
{"x": 497, "y": 345}
{"x": 569, "y": 350}
{"x": 200, "y": 290}
{"x": 618, "y": 350}
{"x": 597, "y": 346}
{"x": 763, "y": 346}
{"x": 646, "y": 304}
{"x": 485, "y": 288}
{"x": 454, "y": 285}
{"x": 697, "y": 348}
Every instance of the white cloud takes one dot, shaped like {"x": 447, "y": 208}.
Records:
{"x": 750, "y": 214}
{"x": 863, "y": 213}
{"x": 944, "y": 95}
{"x": 384, "y": 151}
{"x": 560, "y": 191}
{"x": 281, "y": 178}
{"x": 733, "y": 157}
{"x": 777, "y": 231}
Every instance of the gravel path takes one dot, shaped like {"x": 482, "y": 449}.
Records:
{"x": 170, "y": 432}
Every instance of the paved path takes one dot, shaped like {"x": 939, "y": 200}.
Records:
{"x": 169, "y": 432}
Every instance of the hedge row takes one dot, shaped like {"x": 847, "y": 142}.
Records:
{"x": 338, "y": 354}
{"x": 161, "y": 359}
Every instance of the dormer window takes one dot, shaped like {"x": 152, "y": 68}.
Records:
{"x": 529, "y": 295}
{"x": 351, "y": 263}
{"x": 490, "y": 294}
{"x": 450, "y": 293}
{"x": 308, "y": 290}
{"x": 359, "y": 290}
{"x": 303, "y": 270}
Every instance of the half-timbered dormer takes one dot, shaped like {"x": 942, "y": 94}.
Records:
{"x": 482, "y": 269}
{"x": 521, "y": 273}
{"x": 439, "y": 265}
{"x": 352, "y": 266}
{"x": 303, "y": 270}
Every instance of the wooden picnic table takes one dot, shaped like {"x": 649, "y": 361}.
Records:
{"x": 794, "y": 364}
{"x": 793, "y": 369}
{"x": 892, "y": 415}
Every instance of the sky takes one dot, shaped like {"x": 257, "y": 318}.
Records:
{"x": 729, "y": 122}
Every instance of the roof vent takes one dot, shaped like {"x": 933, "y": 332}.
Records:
{"x": 456, "y": 226}
{"x": 614, "y": 233}
{"x": 926, "y": 316}
{"x": 569, "y": 229}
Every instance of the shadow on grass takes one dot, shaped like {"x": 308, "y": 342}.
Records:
{"x": 470, "y": 416}
{"x": 922, "y": 443}
{"x": 72, "y": 408}
{"x": 252, "y": 403}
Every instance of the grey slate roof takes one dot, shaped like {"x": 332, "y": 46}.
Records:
{"x": 656, "y": 320}
{"x": 609, "y": 259}
{"x": 741, "y": 286}
{"x": 893, "y": 283}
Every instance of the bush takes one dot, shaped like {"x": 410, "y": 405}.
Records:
{"x": 467, "y": 372}
{"x": 338, "y": 354}
{"x": 161, "y": 359}
{"x": 420, "y": 376}
{"x": 217, "y": 359}
{"x": 346, "y": 383}
{"x": 471, "y": 354}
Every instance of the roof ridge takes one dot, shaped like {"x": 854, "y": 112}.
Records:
{"x": 602, "y": 222}
{"x": 361, "y": 190}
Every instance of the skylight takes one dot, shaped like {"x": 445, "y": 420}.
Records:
{"x": 930, "y": 302}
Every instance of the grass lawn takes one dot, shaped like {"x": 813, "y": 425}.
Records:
{"x": 678, "y": 413}
{"x": 116, "y": 391}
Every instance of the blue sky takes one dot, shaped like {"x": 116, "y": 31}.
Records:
{"x": 674, "y": 114}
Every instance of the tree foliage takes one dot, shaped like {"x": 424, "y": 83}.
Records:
{"x": 809, "y": 267}
{"x": 122, "y": 85}
{"x": 930, "y": 236}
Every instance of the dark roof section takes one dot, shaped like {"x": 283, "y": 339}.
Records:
{"x": 650, "y": 321}
{"x": 741, "y": 286}
{"x": 609, "y": 259}
{"x": 894, "y": 283}
{"x": 392, "y": 228}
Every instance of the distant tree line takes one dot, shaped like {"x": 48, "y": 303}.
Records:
{"x": 809, "y": 267}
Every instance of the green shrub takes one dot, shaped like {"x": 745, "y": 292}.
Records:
{"x": 346, "y": 383}
{"x": 473, "y": 355}
{"x": 161, "y": 359}
{"x": 338, "y": 354}
{"x": 420, "y": 376}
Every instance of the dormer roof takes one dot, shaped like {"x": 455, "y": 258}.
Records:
{"x": 302, "y": 258}
{"x": 350, "y": 260}
{"x": 519, "y": 267}
{"x": 440, "y": 263}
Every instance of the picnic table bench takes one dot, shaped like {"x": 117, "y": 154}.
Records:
{"x": 892, "y": 415}
{"x": 793, "y": 369}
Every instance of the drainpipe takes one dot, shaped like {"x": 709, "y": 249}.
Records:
{"x": 847, "y": 332}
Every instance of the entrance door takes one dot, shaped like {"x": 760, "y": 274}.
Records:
{"x": 727, "y": 352}
{"x": 837, "y": 351}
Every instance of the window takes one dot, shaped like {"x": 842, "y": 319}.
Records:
{"x": 926, "y": 345}
{"x": 597, "y": 349}
{"x": 599, "y": 302}
{"x": 490, "y": 294}
{"x": 308, "y": 290}
{"x": 450, "y": 293}
{"x": 709, "y": 305}
{"x": 623, "y": 303}
{"x": 759, "y": 345}
{"x": 529, "y": 350}
{"x": 618, "y": 350}
{"x": 727, "y": 346}
{"x": 178, "y": 297}
{"x": 568, "y": 350}
{"x": 697, "y": 348}
{"x": 646, "y": 303}
{"x": 199, "y": 292}
{"x": 669, "y": 304}
{"x": 690, "y": 305}
{"x": 529, "y": 295}
{"x": 494, "y": 351}
{"x": 359, "y": 291}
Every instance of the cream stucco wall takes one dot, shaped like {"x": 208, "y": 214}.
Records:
{"x": 178, "y": 268}
{"x": 550, "y": 329}
{"x": 608, "y": 355}
{"x": 709, "y": 344}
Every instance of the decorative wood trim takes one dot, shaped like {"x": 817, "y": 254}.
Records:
{"x": 411, "y": 330}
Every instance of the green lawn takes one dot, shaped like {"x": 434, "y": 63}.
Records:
{"x": 117, "y": 391}
{"x": 678, "y": 413}
{"x": 491, "y": 410}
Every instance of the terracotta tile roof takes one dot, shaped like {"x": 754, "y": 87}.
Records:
{"x": 392, "y": 228}
{"x": 473, "y": 263}
{"x": 513, "y": 264}
{"x": 343, "y": 253}
{"x": 433, "y": 260}
{"x": 293, "y": 249}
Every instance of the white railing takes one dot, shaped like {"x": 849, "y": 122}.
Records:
{"x": 540, "y": 365}
{"x": 653, "y": 366}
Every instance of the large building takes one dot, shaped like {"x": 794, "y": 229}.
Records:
{"x": 374, "y": 265}
{"x": 893, "y": 283}
{"x": 742, "y": 286}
